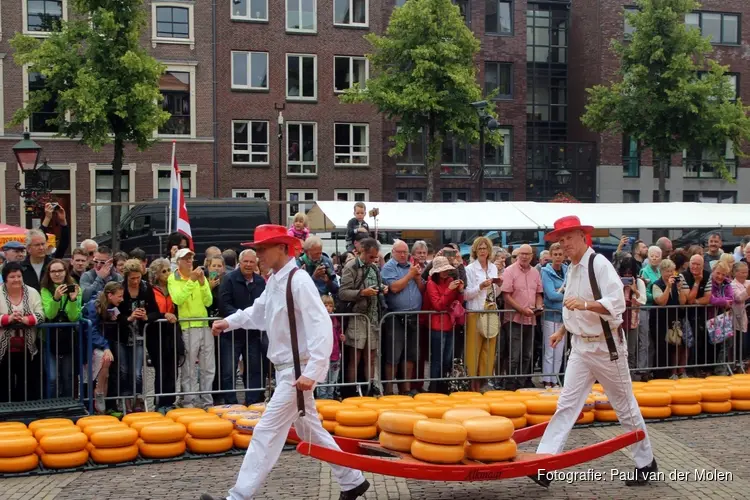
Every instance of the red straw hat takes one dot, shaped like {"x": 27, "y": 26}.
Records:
{"x": 565, "y": 224}
{"x": 272, "y": 234}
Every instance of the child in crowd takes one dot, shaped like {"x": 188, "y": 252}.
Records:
{"x": 357, "y": 224}
{"x": 338, "y": 338}
{"x": 299, "y": 228}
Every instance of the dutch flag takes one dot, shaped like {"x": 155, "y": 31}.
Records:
{"x": 178, "y": 215}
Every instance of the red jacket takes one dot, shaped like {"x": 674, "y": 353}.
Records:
{"x": 440, "y": 299}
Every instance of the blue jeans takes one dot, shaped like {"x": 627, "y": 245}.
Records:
{"x": 250, "y": 347}
{"x": 441, "y": 354}
{"x": 58, "y": 371}
{"x": 130, "y": 358}
{"x": 333, "y": 378}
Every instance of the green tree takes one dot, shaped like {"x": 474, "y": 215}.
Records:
{"x": 661, "y": 100}
{"x": 425, "y": 77}
{"x": 97, "y": 70}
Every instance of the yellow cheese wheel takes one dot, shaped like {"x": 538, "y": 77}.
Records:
{"x": 96, "y": 420}
{"x": 399, "y": 421}
{"x": 396, "y": 442}
{"x": 497, "y": 394}
{"x": 741, "y": 376}
{"x": 740, "y": 391}
{"x": 358, "y": 400}
{"x": 637, "y": 384}
{"x": 597, "y": 388}
{"x": 461, "y": 414}
{"x": 161, "y": 433}
{"x": 510, "y": 409}
{"x": 487, "y": 429}
{"x": 590, "y": 404}
{"x": 56, "y": 422}
{"x": 408, "y": 405}
{"x": 740, "y": 405}
{"x": 432, "y": 411}
{"x": 656, "y": 411}
{"x": 395, "y": 398}
{"x": 114, "y": 438}
{"x": 436, "y": 431}
{"x": 587, "y": 418}
{"x": 716, "y": 406}
{"x": 234, "y": 416}
{"x": 178, "y": 412}
{"x": 140, "y": 424}
{"x": 329, "y": 411}
{"x": 65, "y": 460}
{"x": 360, "y": 417}
{"x": 428, "y": 396}
{"x": 521, "y": 396}
{"x": 602, "y": 403}
{"x": 534, "y": 419}
{"x": 18, "y": 446}
{"x": 377, "y": 405}
{"x": 518, "y": 422}
{"x": 491, "y": 452}
{"x": 719, "y": 378}
{"x": 483, "y": 406}
{"x": 103, "y": 427}
{"x": 465, "y": 395}
{"x": 247, "y": 425}
{"x": 114, "y": 455}
{"x": 65, "y": 443}
{"x": 660, "y": 381}
{"x": 162, "y": 450}
{"x": 541, "y": 406}
{"x": 133, "y": 417}
{"x": 210, "y": 429}
{"x": 242, "y": 441}
{"x": 209, "y": 446}
{"x": 322, "y": 402}
{"x": 361, "y": 432}
{"x": 605, "y": 416}
{"x": 686, "y": 409}
{"x": 7, "y": 426}
{"x": 261, "y": 407}
{"x": 222, "y": 409}
{"x": 653, "y": 398}
{"x": 195, "y": 417}
{"x": 19, "y": 464}
{"x": 437, "y": 453}
{"x": 330, "y": 425}
{"x": 685, "y": 396}
{"x": 48, "y": 431}
{"x": 715, "y": 395}
{"x": 26, "y": 432}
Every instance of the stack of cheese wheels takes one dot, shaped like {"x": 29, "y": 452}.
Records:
{"x": 397, "y": 429}
{"x": 189, "y": 418}
{"x": 244, "y": 428}
{"x": 488, "y": 439}
{"x": 356, "y": 423}
{"x": 513, "y": 410}
{"x": 235, "y": 415}
{"x": 222, "y": 409}
{"x": 17, "y": 449}
{"x": 63, "y": 445}
{"x": 589, "y": 412}
{"x": 685, "y": 401}
{"x": 600, "y": 402}
{"x": 209, "y": 436}
{"x": 655, "y": 404}
{"x": 396, "y": 398}
{"x": 162, "y": 440}
{"x": 715, "y": 398}
{"x": 540, "y": 410}
{"x": 359, "y": 400}
{"x": 114, "y": 446}
{"x": 179, "y": 412}
{"x": 740, "y": 389}
{"x": 328, "y": 412}
{"x": 138, "y": 421}
{"x": 435, "y": 441}
{"x": 259, "y": 407}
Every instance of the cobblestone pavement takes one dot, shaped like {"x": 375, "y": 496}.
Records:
{"x": 685, "y": 446}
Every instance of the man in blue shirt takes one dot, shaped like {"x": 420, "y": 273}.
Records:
{"x": 401, "y": 329}
{"x": 318, "y": 266}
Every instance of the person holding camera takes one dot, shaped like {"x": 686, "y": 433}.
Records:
{"x": 62, "y": 303}
{"x": 318, "y": 266}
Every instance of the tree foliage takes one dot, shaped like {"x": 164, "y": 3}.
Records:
{"x": 661, "y": 100}
{"x": 424, "y": 76}
{"x": 100, "y": 73}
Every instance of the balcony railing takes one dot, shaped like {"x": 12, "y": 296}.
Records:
{"x": 455, "y": 171}
{"x": 498, "y": 171}
{"x": 410, "y": 170}
{"x": 631, "y": 166}
{"x": 708, "y": 169}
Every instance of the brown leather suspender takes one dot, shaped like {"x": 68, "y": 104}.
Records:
{"x": 613, "y": 356}
{"x": 295, "y": 344}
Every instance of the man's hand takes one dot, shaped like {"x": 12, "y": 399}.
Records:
{"x": 304, "y": 384}
{"x": 196, "y": 274}
{"x": 528, "y": 312}
{"x": 369, "y": 292}
{"x": 104, "y": 271}
{"x": 362, "y": 230}
{"x": 319, "y": 273}
{"x": 170, "y": 317}
{"x": 573, "y": 304}
{"x": 556, "y": 338}
{"x": 414, "y": 271}
{"x": 61, "y": 216}
{"x": 218, "y": 327}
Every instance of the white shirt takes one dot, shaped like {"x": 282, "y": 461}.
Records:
{"x": 475, "y": 275}
{"x": 577, "y": 285}
{"x": 314, "y": 327}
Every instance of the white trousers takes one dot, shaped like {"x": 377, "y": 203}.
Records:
{"x": 271, "y": 433}
{"x": 583, "y": 369}
{"x": 553, "y": 356}
{"x": 199, "y": 344}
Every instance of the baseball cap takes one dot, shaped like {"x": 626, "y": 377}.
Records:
{"x": 14, "y": 245}
{"x": 183, "y": 252}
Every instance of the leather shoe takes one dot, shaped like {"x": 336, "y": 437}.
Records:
{"x": 643, "y": 475}
{"x": 356, "y": 492}
{"x": 541, "y": 478}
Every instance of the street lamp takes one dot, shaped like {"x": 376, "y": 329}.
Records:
{"x": 27, "y": 153}
{"x": 485, "y": 121}
{"x": 37, "y": 189}
{"x": 280, "y": 121}
{"x": 563, "y": 177}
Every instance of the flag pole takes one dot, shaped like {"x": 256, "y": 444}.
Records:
{"x": 171, "y": 176}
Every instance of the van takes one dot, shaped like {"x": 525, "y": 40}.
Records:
{"x": 212, "y": 224}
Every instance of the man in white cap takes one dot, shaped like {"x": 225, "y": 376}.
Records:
{"x": 599, "y": 351}
{"x": 301, "y": 356}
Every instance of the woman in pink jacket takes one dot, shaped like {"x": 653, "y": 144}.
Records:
{"x": 722, "y": 298}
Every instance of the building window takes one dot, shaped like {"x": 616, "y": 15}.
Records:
{"x": 164, "y": 181}
{"x": 720, "y": 28}
{"x": 411, "y": 161}
{"x": 44, "y": 16}
{"x": 250, "y": 70}
{"x": 38, "y": 121}
{"x": 350, "y": 12}
{"x": 103, "y": 188}
{"x": 627, "y": 28}
{"x": 498, "y": 159}
{"x": 631, "y": 157}
{"x": 250, "y": 142}
{"x": 454, "y": 158}
{"x": 497, "y": 195}
{"x": 453, "y": 195}
{"x": 463, "y": 6}
{"x": 348, "y": 71}
{"x": 302, "y": 148}
{"x": 176, "y": 94}
{"x": 410, "y": 196}
{"x": 301, "y": 77}
{"x": 172, "y": 22}
{"x": 301, "y": 15}
{"x": 254, "y": 194}
{"x": 498, "y": 17}
{"x": 655, "y": 197}
{"x": 353, "y": 195}
{"x": 631, "y": 196}
{"x": 250, "y": 10}
{"x": 351, "y": 144}
{"x": 709, "y": 196}
{"x": 299, "y": 201}
{"x": 498, "y": 78}
{"x": 399, "y": 3}
{"x": 704, "y": 163}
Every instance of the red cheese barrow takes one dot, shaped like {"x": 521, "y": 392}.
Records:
{"x": 369, "y": 456}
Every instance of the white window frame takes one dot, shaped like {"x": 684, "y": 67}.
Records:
{"x": 299, "y": 30}
{"x": 250, "y": 193}
{"x": 72, "y": 168}
{"x": 190, "y": 40}
{"x": 128, "y": 169}
{"x": 302, "y": 77}
{"x": 25, "y": 19}
{"x": 184, "y": 68}
{"x": 249, "y": 16}
{"x": 289, "y": 192}
{"x": 25, "y": 75}
{"x": 351, "y": 71}
{"x": 351, "y": 9}
{"x": 302, "y": 163}
{"x": 352, "y": 155}
{"x": 507, "y": 134}
{"x": 248, "y": 54}
{"x": 2, "y": 97}
{"x": 350, "y": 194}
{"x": 157, "y": 167}
{"x": 250, "y": 144}
{"x": 3, "y": 206}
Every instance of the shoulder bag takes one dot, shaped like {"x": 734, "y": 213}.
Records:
{"x": 488, "y": 323}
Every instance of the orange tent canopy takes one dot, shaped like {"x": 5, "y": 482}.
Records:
{"x": 15, "y": 233}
